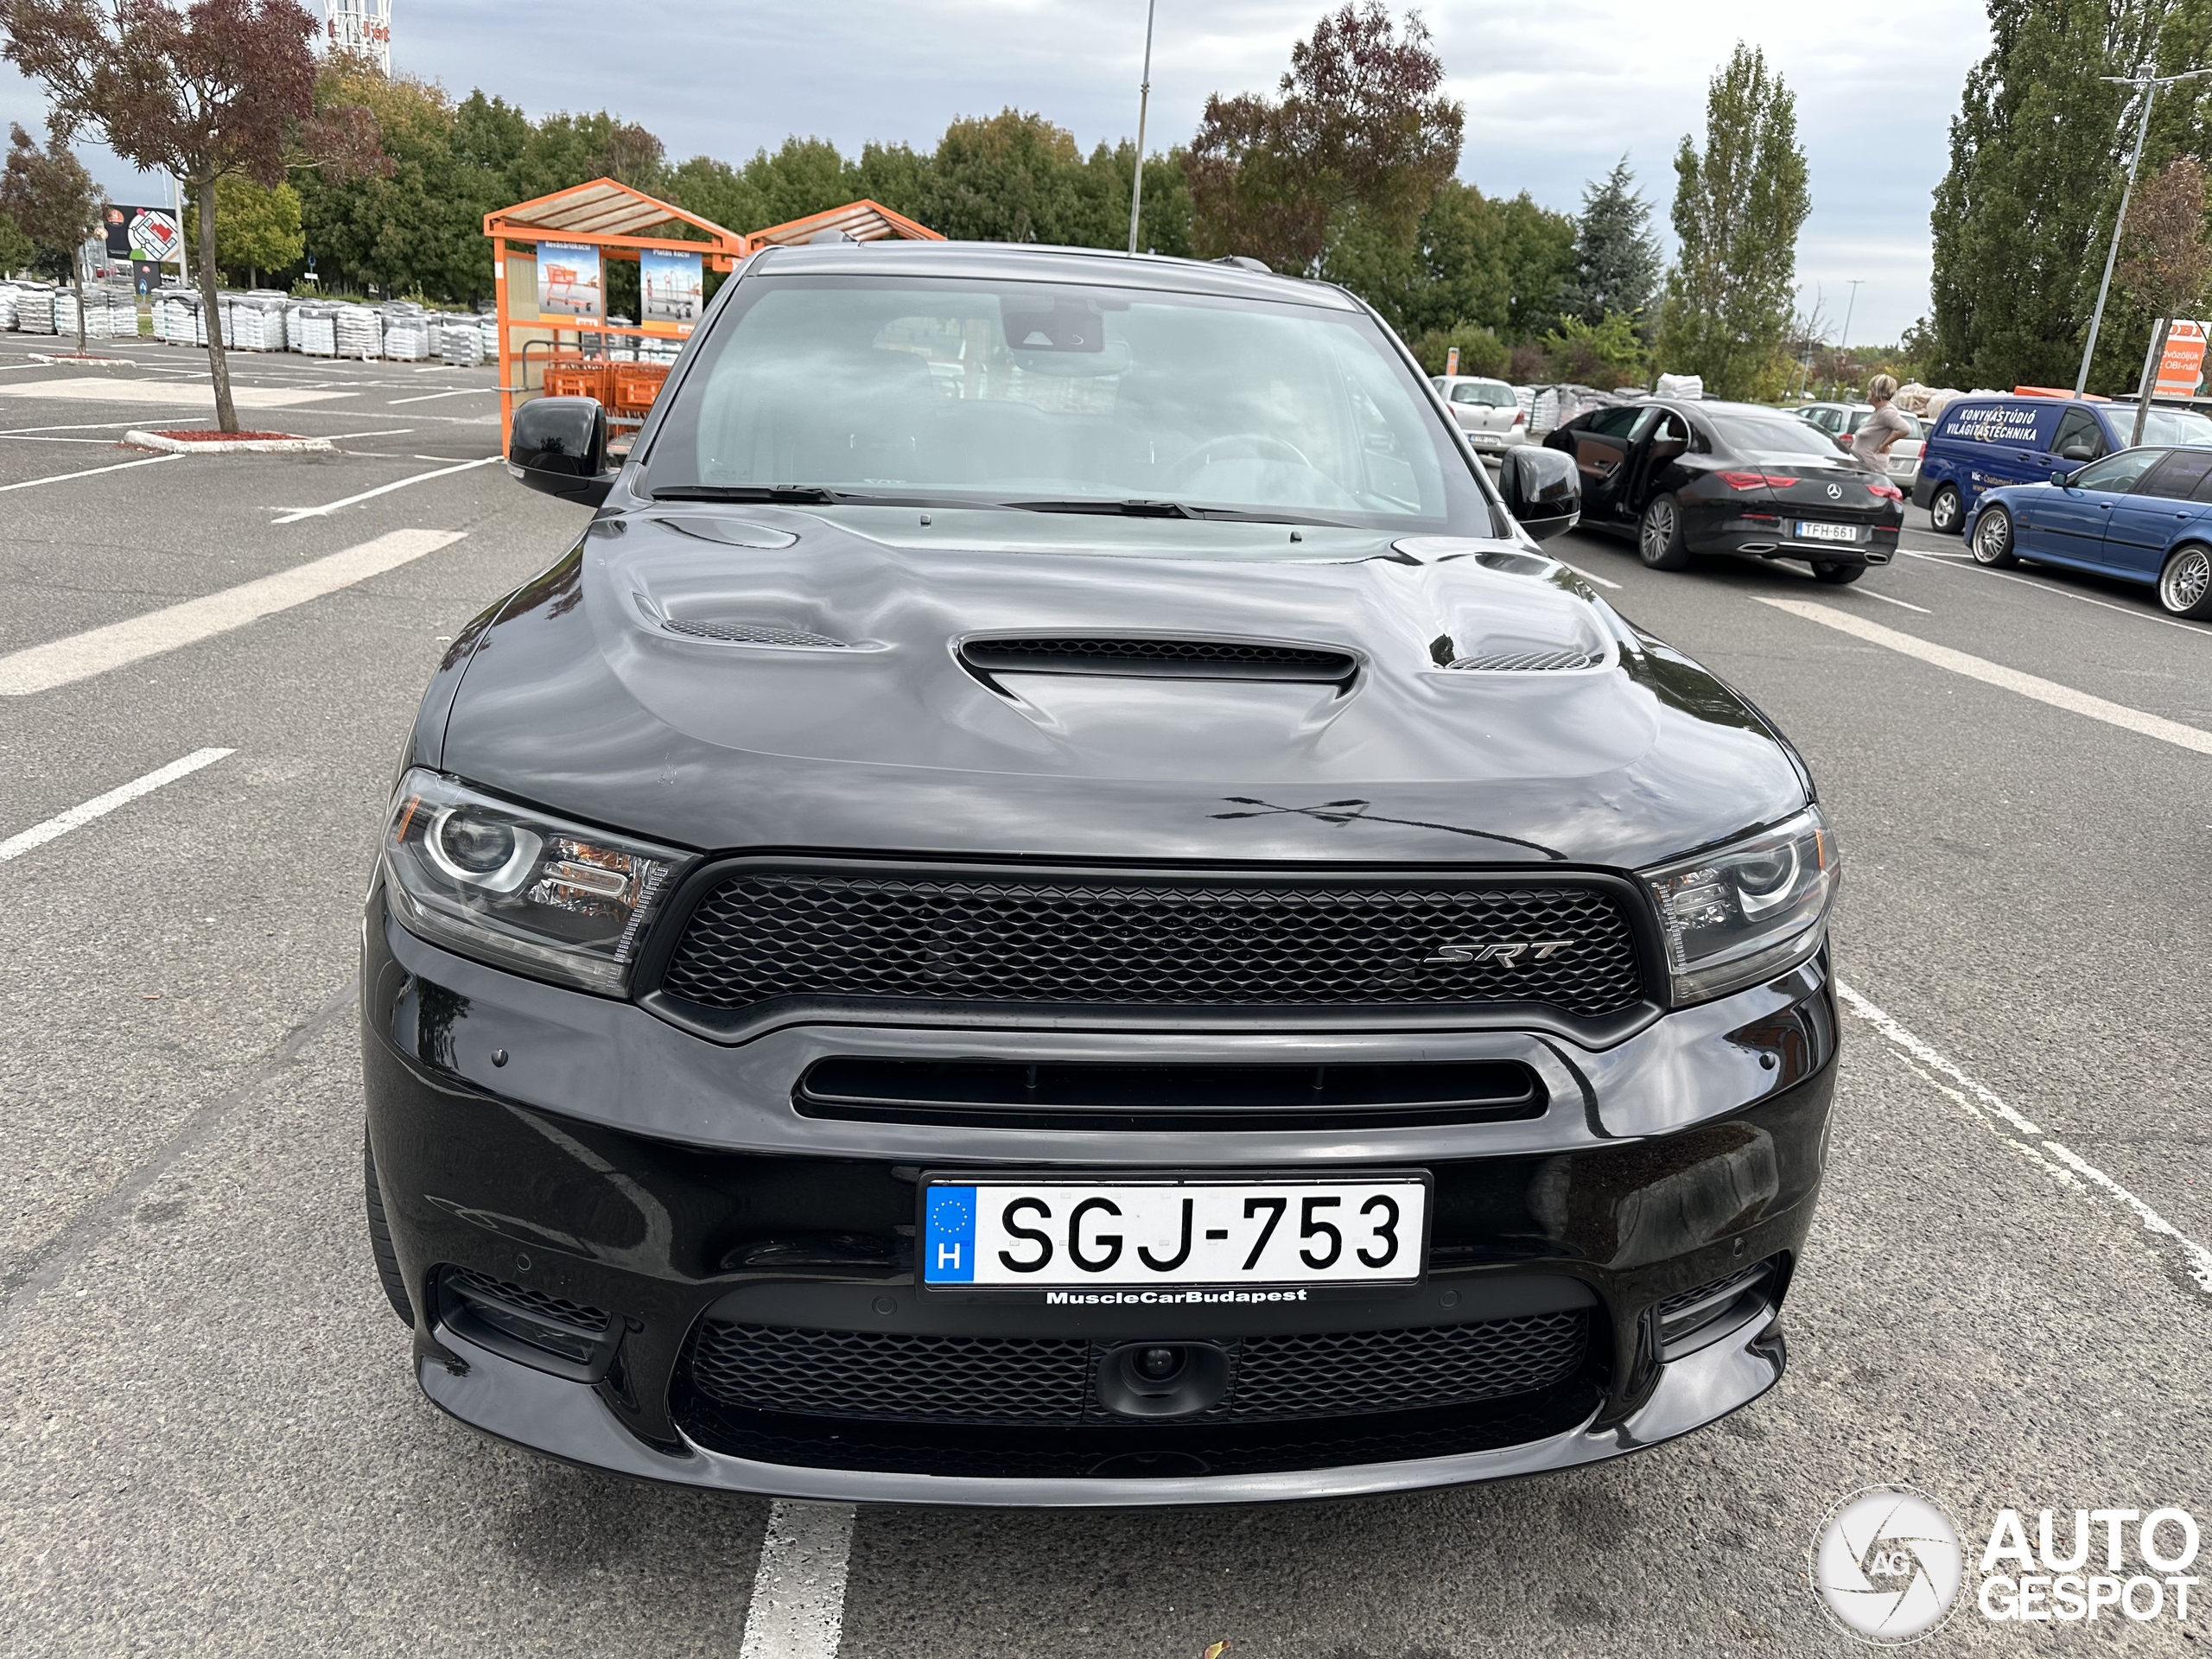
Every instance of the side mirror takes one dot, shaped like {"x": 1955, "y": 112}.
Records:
{"x": 2061, "y": 476}
{"x": 2078, "y": 451}
{"x": 559, "y": 445}
{"x": 1542, "y": 490}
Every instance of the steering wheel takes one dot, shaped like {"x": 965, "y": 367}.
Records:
{"x": 1238, "y": 446}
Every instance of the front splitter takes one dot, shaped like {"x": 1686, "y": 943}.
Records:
{"x": 512, "y": 1402}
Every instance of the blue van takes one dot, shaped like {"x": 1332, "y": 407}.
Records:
{"x": 1984, "y": 444}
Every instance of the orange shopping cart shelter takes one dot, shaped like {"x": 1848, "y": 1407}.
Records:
{"x": 550, "y": 259}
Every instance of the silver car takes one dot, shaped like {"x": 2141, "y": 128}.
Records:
{"x": 1486, "y": 410}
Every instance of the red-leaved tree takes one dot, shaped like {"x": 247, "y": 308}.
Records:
{"x": 54, "y": 202}
{"x": 1361, "y": 130}
{"x": 208, "y": 89}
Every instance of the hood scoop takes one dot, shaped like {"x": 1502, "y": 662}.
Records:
{"x": 736, "y": 630}
{"x": 1529, "y": 662}
{"x": 1157, "y": 658}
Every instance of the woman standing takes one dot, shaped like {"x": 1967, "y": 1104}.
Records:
{"x": 1870, "y": 445}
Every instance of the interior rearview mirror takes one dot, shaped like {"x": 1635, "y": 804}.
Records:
{"x": 559, "y": 445}
{"x": 1542, "y": 490}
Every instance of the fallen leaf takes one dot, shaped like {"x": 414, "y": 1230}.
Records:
{"x": 1215, "y": 1649}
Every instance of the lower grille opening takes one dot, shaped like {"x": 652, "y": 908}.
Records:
{"x": 926, "y": 1378}
{"x": 1709, "y": 1307}
{"x": 1062, "y": 1095}
{"x": 568, "y": 1338}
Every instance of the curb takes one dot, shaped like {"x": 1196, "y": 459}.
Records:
{"x": 71, "y": 360}
{"x": 234, "y": 446}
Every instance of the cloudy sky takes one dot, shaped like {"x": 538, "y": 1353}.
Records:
{"x": 1555, "y": 90}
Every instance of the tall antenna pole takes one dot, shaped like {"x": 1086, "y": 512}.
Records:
{"x": 1844, "y": 339}
{"x": 2150, "y": 84}
{"x": 1144, "y": 106}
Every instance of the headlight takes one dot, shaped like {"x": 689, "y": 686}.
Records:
{"x": 1748, "y": 911}
{"x": 512, "y": 886}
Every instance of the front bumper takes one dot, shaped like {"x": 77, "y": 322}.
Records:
{"x": 585, "y": 1151}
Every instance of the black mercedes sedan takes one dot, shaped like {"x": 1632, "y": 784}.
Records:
{"x": 1053, "y": 903}
{"x": 1684, "y": 478}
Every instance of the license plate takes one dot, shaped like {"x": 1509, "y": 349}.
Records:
{"x": 1117, "y": 1235}
{"x": 1809, "y": 532}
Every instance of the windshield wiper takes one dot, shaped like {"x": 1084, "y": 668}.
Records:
{"x": 1110, "y": 509}
{"x": 796, "y": 494}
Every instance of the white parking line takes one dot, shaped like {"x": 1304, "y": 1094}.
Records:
{"x": 458, "y": 391}
{"x": 2010, "y": 679}
{"x": 1586, "y": 576}
{"x": 1868, "y": 592}
{"x": 100, "y": 805}
{"x": 2139, "y": 615}
{"x": 63, "y": 662}
{"x": 89, "y": 472}
{"x": 298, "y": 513}
{"x": 2068, "y": 1167}
{"x": 798, "y": 1589}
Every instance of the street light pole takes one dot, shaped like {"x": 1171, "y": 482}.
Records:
{"x": 1144, "y": 106}
{"x": 2150, "y": 85}
{"x": 1844, "y": 339}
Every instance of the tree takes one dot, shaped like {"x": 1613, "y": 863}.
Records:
{"x": 1737, "y": 209}
{"x": 1606, "y": 355}
{"x": 53, "y": 203}
{"x": 2039, "y": 150}
{"x": 216, "y": 90}
{"x": 16, "y": 249}
{"x": 2165, "y": 264}
{"x": 1362, "y": 132}
{"x": 1616, "y": 257}
{"x": 256, "y": 229}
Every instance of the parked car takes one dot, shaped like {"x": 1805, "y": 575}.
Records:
{"x": 1488, "y": 410}
{"x": 1707, "y": 477}
{"x": 1121, "y": 937}
{"x": 1841, "y": 422}
{"x": 1984, "y": 443}
{"x": 2143, "y": 514}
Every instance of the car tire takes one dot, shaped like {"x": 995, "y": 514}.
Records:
{"x": 1947, "y": 511}
{"x": 395, "y": 1281}
{"x": 1836, "y": 575}
{"x": 1992, "y": 538}
{"x": 1659, "y": 540}
{"x": 2185, "y": 585}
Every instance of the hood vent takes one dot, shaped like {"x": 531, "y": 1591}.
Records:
{"x": 1530, "y": 662}
{"x": 750, "y": 634}
{"x": 1161, "y": 660}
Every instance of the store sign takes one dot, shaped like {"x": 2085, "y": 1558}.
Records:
{"x": 671, "y": 290}
{"x": 142, "y": 234}
{"x": 2181, "y": 369}
{"x": 568, "y": 282}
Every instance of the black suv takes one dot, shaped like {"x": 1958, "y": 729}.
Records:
{"x": 1054, "y": 903}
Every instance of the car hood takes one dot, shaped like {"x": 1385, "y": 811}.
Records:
{"x": 845, "y": 717}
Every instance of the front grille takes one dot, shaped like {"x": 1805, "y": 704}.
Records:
{"x": 1160, "y": 658}
{"x": 896, "y": 1377}
{"x": 767, "y": 933}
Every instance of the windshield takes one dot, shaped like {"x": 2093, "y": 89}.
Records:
{"x": 2166, "y": 425}
{"x": 1741, "y": 431}
{"x": 1063, "y": 395}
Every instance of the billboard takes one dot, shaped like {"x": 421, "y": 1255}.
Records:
{"x": 671, "y": 290}
{"x": 142, "y": 234}
{"x": 568, "y": 282}
{"x": 2181, "y": 366}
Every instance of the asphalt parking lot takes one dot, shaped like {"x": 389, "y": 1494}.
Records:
{"x": 213, "y": 1440}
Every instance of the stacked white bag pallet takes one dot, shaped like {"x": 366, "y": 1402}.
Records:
{"x": 489, "y": 326}
{"x": 313, "y": 330}
{"x": 7, "y": 305}
{"x": 34, "y": 308}
{"x": 459, "y": 341}
{"x": 406, "y": 331}
{"x": 359, "y": 332}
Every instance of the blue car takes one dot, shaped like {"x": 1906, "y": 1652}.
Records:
{"x": 1986, "y": 443}
{"x": 2143, "y": 514}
